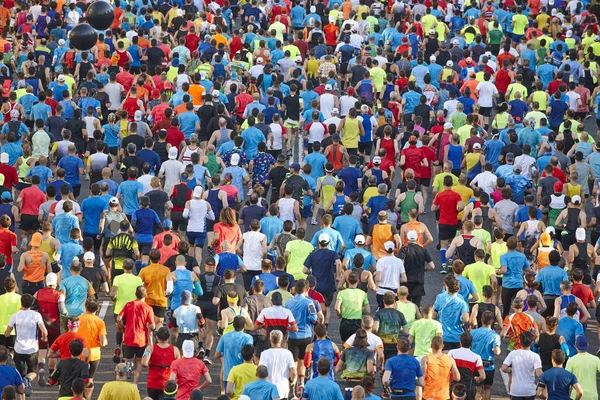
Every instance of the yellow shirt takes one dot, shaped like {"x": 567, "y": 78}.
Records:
{"x": 438, "y": 181}
{"x": 464, "y": 132}
{"x": 519, "y": 24}
{"x": 542, "y": 20}
{"x": 428, "y": 20}
{"x": 240, "y": 376}
{"x": 466, "y": 193}
{"x": 513, "y": 88}
{"x": 479, "y": 273}
{"x": 10, "y": 303}
{"x": 154, "y": 277}
{"x": 378, "y": 75}
{"x": 121, "y": 390}
{"x": 294, "y": 51}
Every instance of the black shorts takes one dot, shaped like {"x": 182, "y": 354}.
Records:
{"x": 53, "y": 334}
{"x": 145, "y": 248}
{"x": 447, "y": 232}
{"x": 129, "y": 352}
{"x": 179, "y": 223}
{"x": 209, "y": 310}
{"x": 8, "y": 342}
{"x": 352, "y": 152}
{"x": 344, "y": 68}
{"x": 365, "y": 148}
{"x": 93, "y": 367}
{"x": 30, "y": 222}
{"x": 425, "y": 182}
{"x": 159, "y": 312}
{"x": 260, "y": 344}
{"x": 26, "y": 363}
{"x": 298, "y": 347}
{"x": 451, "y": 345}
{"x": 489, "y": 379}
{"x": 113, "y": 150}
{"x": 328, "y": 298}
{"x": 485, "y": 111}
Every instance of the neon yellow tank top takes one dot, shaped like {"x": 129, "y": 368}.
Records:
{"x": 46, "y": 247}
{"x": 312, "y": 67}
{"x": 409, "y": 312}
{"x": 573, "y": 190}
{"x": 497, "y": 250}
{"x": 540, "y": 97}
{"x": 350, "y": 133}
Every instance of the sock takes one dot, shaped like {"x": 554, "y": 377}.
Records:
{"x": 207, "y": 353}
{"x": 443, "y": 255}
{"x": 200, "y": 344}
{"x": 51, "y": 371}
{"x": 119, "y": 338}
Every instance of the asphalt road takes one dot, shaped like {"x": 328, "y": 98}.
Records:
{"x": 434, "y": 283}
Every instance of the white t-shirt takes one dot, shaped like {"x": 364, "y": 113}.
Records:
{"x": 486, "y": 181}
{"x": 450, "y": 107}
{"x": 573, "y": 97}
{"x": 327, "y": 103}
{"x": 374, "y": 342}
{"x": 172, "y": 170}
{"x": 278, "y": 361}
{"x": 523, "y": 363}
{"x": 25, "y": 323}
{"x": 145, "y": 181}
{"x": 391, "y": 269}
{"x": 486, "y": 92}
{"x": 253, "y": 250}
{"x": 277, "y": 133}
{"x": 59, "y": 208}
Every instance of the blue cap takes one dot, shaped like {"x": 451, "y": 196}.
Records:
{"x": 6, "y": 196}
{"x": 167, "y": 224}
{"x": 581, "y": 343}
{"x": 175, "y": 62}
{"x": 234, "y": 75}
{"x": 295, "y": 166}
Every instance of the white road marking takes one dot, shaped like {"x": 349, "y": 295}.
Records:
{"x": 103, "y": 310}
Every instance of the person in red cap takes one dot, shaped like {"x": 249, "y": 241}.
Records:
{"x": 554, "y": 205}
{"x": 412, "y": 158}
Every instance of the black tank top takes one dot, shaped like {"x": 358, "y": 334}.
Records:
{"x": 483, "y": 307}
{"x": 582, "y": 261}
{"x": 161, "y": 149}
{"x": 466, "y": 252}
{"x": 572, "y": 220}
{"x": 487, "y": 223}
{"x": 547, "y": 343}
{"x": 209, "y": 282}
{"x": 361, "y": 285}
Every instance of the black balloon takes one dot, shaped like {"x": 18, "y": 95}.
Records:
{"x": 83, "y": 37}
{"x": 100, "y": 15}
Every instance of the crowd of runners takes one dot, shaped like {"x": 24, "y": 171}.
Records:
{"x": 226, "y": 175}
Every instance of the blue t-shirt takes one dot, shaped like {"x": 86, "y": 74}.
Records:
{"x": 515, "y": 263}
{"x": 404, "y": 370}
{"x": 92, "y": 209}
{"x": 150, "y": 157}
{"x": 268, "y": 279}
{"x": 317, "y": 162}
{"x": 76, "y": 288}
{"x": 493, "y": 148}
{"x": 71, "y": 165}
{"x": 187, "y": 123}
{"x": 350, "y": 253}
{"x": 261, "y": 390}
{"x": 230, "y": 346}
{"x": 569, "y": 328}
{"x": 305, "y": 321}
{"x": 144, "y": 219}
{"x": 129, "y": 189}
{"x": 271, "y": 226}
{"x": 252, "y": 137}
{"x": 14, "y": 151}
{"x": 376, "y": 204}
{"x": 67, "y": 252}
{"x": 466, "y": 288}
{"x": 550, "y": 278}
{"x": 335, "y": 239}
{"x": 322, "y": 262}
{"x": 57, "y": 184}
{"x": 349, "y": 228}
{"x": 44, "y": 173}
{"x": 558, "y": 383}
{"x": 557, "y": 116}
{"x": 350, "y": 176}
{"x": 484, "y": 342}
{"x": 450, "y": 310}
{"x": 9, "y": 376}
{"x": 323, "y": 388}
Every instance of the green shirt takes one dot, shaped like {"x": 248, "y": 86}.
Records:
{"x": 10, "y": 303}
{"x": 495, "y": 36}
{"x": 126, "y": 286}
{"x": 438, "y": 181}
{"x": 352, "y": 302}
{"x": 479, "y": 273}
{"x": 585, "y": 367}
{"x": 423, "y": 331}
{"x": 285, "y": 295}
{"x": 484, "y": 236}
{"x": 298, "y": 251}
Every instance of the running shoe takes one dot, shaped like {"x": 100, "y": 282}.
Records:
{"x": 313, "y": 221}
{"x": 443, "y": 271}
{"x": 42, "y": 376}
{"x": 201, "y": 353}
{"x": 117, "y": 355}
{"x": 27, "y": 385}
{"x": 207, "y": 361}
{"x": 129, "y": 365}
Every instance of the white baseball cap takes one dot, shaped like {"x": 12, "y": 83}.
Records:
{"x": 323, "y": 238}
{"x": 4, "y": 158}
{"x": 216, "y": 93}
{"x": 61, "y": 42}
{"x": 576, "y": 199}
{"x": 569, "y": 33}
{"x": 550, "y": 229}
{"x": 61, "y": 78}
{"x": 113, "y": 200}
{"x": 448, "y": 125}
{"x": 138, "y": 116}
{"x": 197, "y": 191}
{"x": 580, "y": 234}
{"x": 89, "y": 256}
{"x": 389, "y": 245}
{"x": 172, "y": 153}
{"x": 51, "y": 279}
{"x": 298, "y": 59}
{"x": 359, "y": 239}
{"x": 376, "y": 160}
{"x": 328, "y": 87}
{"x": 449, "y": 63}
{"x": 477, "y": 146}
{"x": 259, "y": 60}
{"x": 432, "y": 59}
{"x": 188, "y": 348}
{"x": 235, "y": 159}
{"x": 412, "y": 235}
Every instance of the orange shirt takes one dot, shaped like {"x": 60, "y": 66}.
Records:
{"x": 118, "y": 12}
{"x": 220, "y": 39}
{"x": 346, "y": 9}
{"x": 158, "y": 241}
{"x": 4, "y": 17}
{"x": 154, "y": 277}
{"x": 180, "y": 109}
{"x": 232, "y": 234}
{"x": 36, "y": 270}
{"x": 62, "y": 344}
{"x": 91, "y": 328}
{"x": 518, "y": 322}
{"x": 197, "y": 92}
{"x": 437, "y": 378}
{"x": 143, "y": 42}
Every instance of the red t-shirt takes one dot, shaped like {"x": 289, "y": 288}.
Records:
{"x": 413, "y": 156}
{"x": 174, "y": 137}
{"x": 188, "y": 371}
{"x": 447, "y": 201}
{"x": 11, "y": 177}
{"x": 429, "y": 154}
{"x": 584, "y": 293}
{"x": 191, "y": 42}
{"x": 32, "y": 198}
{"x": 137, "y": 315}
{"x": 62, "y": 344}
{"x": 7, "y": 240}
{"x": 125, "y": 79}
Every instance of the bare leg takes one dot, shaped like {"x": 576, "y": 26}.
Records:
{"x": 137, "y": 370}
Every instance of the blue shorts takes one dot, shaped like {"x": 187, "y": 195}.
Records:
{"x": 306, "y": 211}
{"x": 516, "y": 38}
{"x": 196, "y": 238}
